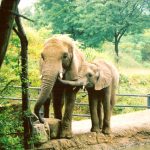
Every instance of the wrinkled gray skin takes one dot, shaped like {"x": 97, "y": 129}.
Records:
{"x": 101, "y": 80}
{"x": 60, "y": 57}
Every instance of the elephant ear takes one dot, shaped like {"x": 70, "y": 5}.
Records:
{"x": 40, "y": 64}
{"x": 104, "y": 80}
{"x": 77, "y": 59}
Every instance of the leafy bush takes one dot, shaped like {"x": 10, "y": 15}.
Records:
{"x": 11, "y": 127}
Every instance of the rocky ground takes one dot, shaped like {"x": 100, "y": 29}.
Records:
{"x": 127, "y": 130}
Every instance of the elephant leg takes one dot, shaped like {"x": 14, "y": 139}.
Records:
{"x": 100, "y": 113}
{"x": 70, "y": 97}
{"x": 107, "y": 113}
{"x": 58, "y": 101}
{"x": 93, "y": 103}
{"x": 112, "y": 99}
{"x": 47, "y": 107}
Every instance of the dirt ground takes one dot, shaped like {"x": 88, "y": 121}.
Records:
{"x": 127, "y": 130}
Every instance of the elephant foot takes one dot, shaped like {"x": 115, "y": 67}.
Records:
{"x": 97, "y": 130}
{"x": 40, "y": 119}
{"x": 65, "y": 131}
{"x": 53, "y": 135}
{"x": 106, "y": 130}
{"x": 100, "y": 126}
{"x": 36, "y": 111}
{"x": 66, "y": 134}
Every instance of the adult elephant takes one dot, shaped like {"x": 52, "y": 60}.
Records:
{"x": 100, "y": 79}
{"x": 60, "y": 57}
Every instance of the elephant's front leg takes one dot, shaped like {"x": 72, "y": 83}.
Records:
{"x": 47, "y": 107}
{"x": 58, "y": 100}
{"x": 107, "y": 113}
{"x": 70, "y": 97}
{"x": 93, "y": 103}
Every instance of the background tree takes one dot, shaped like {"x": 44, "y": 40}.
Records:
{"x": 56, "y": 14}
{"x": 94, "y": 21}
{"x": 120, "y": 17}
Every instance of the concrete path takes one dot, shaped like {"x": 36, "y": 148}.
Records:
{"x": 124, "y": 121}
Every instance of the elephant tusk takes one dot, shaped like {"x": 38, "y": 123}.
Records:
{"x": 61, "y": 75}
{"x": 83, "y": 87}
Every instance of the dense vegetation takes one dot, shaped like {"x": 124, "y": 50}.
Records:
{"x": 11, "y": 127}
{"x": 94, "y": 21}
{"x": 95, "y": 24}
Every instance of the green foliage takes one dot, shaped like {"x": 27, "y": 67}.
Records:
{"x": 12, "y": 60}
{"x": 11, "y": 127}
{"x": 94, "y": 21}
{"x": 132, "y": 84}
{"x": 10, "y": 71}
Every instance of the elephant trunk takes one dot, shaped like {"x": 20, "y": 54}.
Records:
{"x": 71, "y": 83}
{"x": 48, "y": 81}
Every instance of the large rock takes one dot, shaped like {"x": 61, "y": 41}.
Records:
{"x": 41, "y": 132}
{"x": 54, "y": 125}
{"x": 44, "y": 132}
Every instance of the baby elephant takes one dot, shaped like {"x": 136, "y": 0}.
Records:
{"x": 100, "y": 79}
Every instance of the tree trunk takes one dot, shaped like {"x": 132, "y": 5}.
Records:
{"x": 25, "y": 84}
{"x": 117, "y": 48}
{"x": 6, "y": 24}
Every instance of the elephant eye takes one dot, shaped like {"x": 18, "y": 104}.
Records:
{"x": 89, "y": 75}
{"x": 65, "y": 55}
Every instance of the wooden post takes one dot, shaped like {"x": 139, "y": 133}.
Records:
{"x": 148, "y": 101}
{"x": 25, "y": 84}
{"x": 6, "y": 24}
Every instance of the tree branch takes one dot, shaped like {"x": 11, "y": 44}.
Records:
{"x": 131, "y": 12}
{"x": 122, "y": 29}
{"x": 17, "y": 14}
{"x": 16, "y": 31}
{"x": 120, "y": 35}
{"x": 133, "y": 9}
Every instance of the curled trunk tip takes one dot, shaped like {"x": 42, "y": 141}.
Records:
{"x": 71, "y": 83}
